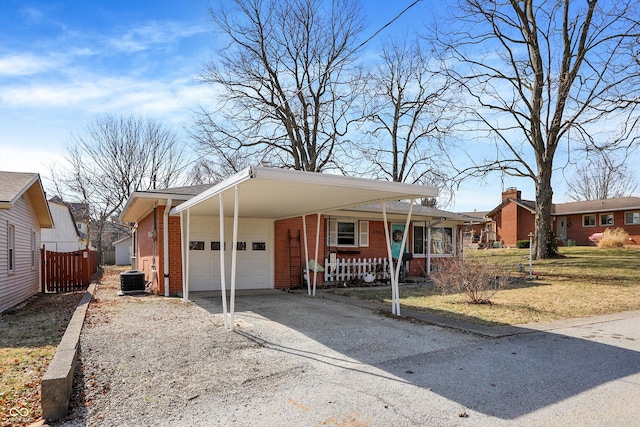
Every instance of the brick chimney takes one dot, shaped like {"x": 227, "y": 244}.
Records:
{"x": 512, "y": 192}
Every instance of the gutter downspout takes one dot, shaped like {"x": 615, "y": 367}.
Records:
{"x": 165, "y": 246}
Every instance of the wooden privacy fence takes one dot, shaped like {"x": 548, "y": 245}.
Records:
{"x": 355, "y": 269}
{"x": 67, "y": 271}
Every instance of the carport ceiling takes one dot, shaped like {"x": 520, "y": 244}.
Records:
{"x": 281, "y": 193}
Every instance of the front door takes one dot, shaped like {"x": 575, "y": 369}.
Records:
{"x": 562, "y": 228}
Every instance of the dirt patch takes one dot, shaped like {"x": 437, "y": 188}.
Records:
{"x": 146, "y": 356}
{"x": 29, "y": 335}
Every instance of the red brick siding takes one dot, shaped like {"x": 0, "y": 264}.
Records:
{"x": 287, "y": 273}
{"x": 576, "y": 231}
{"x": 513, "y": 223}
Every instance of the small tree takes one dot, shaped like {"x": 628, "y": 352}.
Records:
{"x": 603, "y": 178}
{"x": 479, "y": 280}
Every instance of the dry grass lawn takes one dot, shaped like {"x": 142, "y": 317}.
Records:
{"x": 588, "y": 281}
{"x": 29, "y": 336}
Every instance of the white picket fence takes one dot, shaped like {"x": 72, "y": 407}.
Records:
{"x": 344, "y": 269}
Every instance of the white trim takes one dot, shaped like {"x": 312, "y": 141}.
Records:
{"x": 595, "y": 220}
{"x": 613, "y": 219}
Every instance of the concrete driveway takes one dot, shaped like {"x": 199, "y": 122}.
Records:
{"x": 355, "y": 366}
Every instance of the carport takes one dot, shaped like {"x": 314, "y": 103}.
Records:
{"x": 271, "y": 193}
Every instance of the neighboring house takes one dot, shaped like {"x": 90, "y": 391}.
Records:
{"x": 480, "y": 231}
{"x": 64, "y": 237}
{"x": 274, "y": 205}
{"x": 23, "y": 213}
{"x": 123, "y": 251}
{"x": 573, "y": 222}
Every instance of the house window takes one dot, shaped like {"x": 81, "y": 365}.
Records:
{"x": 343, "y": 233}
{"x": 441, "y": 240}
{"x": 11, "y": 243}
{"x": 258, "y": 246}
{"x": 588, "y": 220}
{"x": 215, "y": 246}
{"x": 606, "y": 219}
{"x": 33, "y": 249}
{"x": 241, "y": 246}
{"x": 632, "y": 218}
{"x": 196, "y": 245}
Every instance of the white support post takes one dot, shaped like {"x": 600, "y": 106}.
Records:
{"x": 185, "y": 254}
{"x": 429, "y": 250}
{"x": 165, "y": 246}
{"x": 315, "y": 274}
{"x": 306, "y": 253}
{"x": 223, "y": 278}
{"x": 400, "y": 260}
{"x": 391, "y": 268}
{"x": 234, "y": 256}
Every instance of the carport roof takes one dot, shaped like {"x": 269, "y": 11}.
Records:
{"x": 281, "y": 193}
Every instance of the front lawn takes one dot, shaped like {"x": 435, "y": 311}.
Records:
{"x": 589, "y": 281}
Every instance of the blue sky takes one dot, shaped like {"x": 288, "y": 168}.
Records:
{"x": 64, "y": 63}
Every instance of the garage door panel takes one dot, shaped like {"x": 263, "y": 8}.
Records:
{"x": 254, "y": 263}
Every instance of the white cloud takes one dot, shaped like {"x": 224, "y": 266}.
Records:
{"x": 153, "y": 34}
{"x": 25, "y": 65}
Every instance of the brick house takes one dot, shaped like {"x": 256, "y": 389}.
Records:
{"x": 279, "y": 214}
{"x": 573, "y": 222}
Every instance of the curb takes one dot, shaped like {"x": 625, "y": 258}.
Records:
{"x": 56, "y": 385}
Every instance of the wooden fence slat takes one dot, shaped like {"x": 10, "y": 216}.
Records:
{"x": 67, "y": 271}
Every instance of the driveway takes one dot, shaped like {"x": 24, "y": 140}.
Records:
{"x": 394, "y": 372}
{"x": 297, "y": 360}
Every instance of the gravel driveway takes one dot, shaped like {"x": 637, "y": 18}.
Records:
{"x": 295, "y": 360}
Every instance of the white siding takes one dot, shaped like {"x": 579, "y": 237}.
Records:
{"x": 63, "y": 237}
{"x": 25, "y": 281}
{"x": 123, "y": 252}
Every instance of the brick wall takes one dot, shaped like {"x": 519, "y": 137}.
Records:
{"x": 576, "y": 231}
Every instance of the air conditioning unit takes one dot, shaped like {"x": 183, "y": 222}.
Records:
{"x": 132, "y": 282}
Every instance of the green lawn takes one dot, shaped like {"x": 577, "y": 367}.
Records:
{"x": 588, "y": 281}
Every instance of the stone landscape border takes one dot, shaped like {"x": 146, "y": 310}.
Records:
{"x": 57, "y": 383}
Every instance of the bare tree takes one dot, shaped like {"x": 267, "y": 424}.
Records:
{"x": 113, "y": 157}
{"x": 603, "y": 178}
{"x": 408, "y": 117}
{"x": 287, "y": 81}
{"x": 533, "y": 72}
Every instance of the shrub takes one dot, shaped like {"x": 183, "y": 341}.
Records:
{"x": 613, "y": 238}
{"x": 522, "y": 244}
{"x": 478, "y": 279}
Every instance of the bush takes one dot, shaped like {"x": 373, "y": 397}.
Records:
{"x": 613, "y": 238}
{"x": 478, "y": 279}
{"x": 522, "y": 244}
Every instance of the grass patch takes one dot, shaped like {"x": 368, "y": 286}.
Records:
{"x": 587, "y": 282}
{"x": 29, "y": 336}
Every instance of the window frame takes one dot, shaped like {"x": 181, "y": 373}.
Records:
{"x": 607, "y": 215}
{"x": 633, "y": 214}
{"x": 426, "y": 237}
{"x": 11, "y": 248}
{"x": 584, "y": 217}
{"x": 33, "y": 249}
{"x": 333, "y": 235}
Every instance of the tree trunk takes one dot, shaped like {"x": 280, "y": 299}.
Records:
{"x": 544, "y": 224}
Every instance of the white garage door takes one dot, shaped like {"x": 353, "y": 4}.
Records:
{"x": 255, "y": 253}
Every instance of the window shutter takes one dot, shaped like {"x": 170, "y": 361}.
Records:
{"x": 332, "y": 235}
{"x": 364, "y": 233}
